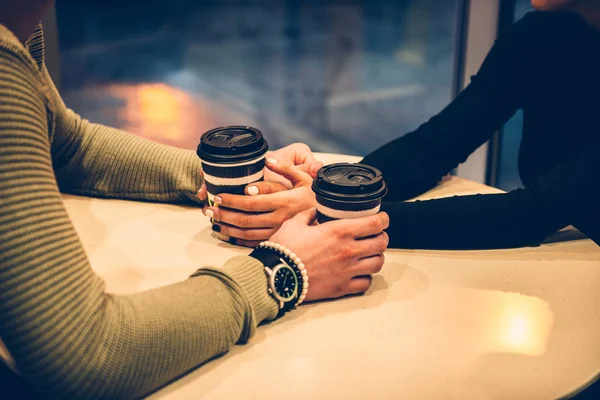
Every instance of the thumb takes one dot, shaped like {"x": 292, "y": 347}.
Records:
{"x": 311, "y": 167}
{"x": 306, "y": 217}
{"x": 290, "y": 172}
{"x": 314, "y": 167}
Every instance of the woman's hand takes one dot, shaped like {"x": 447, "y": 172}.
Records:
{"x": 339, "y": 256}
{"x": 256, "y": 217}
{"x": 298, "y": 154}
{"x": 248, "y": 221}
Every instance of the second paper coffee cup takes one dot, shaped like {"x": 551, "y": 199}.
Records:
{"x": 348, "y": 191}
{"x": 232, "y": 157}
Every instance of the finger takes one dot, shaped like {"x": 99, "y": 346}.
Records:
{"x": 314, "y": 168}
{"x": 358, "y": 285}
{"x": 302, "y": 154}
{"x": 255, "y": 234}
{"x": 271, "y": 176}
{"x": 289, "y": 171}
{"x": 372, "y": 246}
{"x": 368, "y": 266}
{"x": 202, "y": 194}
{"x": 265, "y": 188}
{"x": 306, "y": 217}
{"x": 360, "y": 227}
{"x": 242, "y": 219}
{"x": 311, "y": 168}
{"x": 261, "y": 203}
{"x": 257, "y": 203}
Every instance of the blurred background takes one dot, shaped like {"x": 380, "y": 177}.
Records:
{"x": 344, "y": 76}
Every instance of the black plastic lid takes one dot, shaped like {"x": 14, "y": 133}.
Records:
{"x": 232, "y": 144}
{"x": 349, "y": 182}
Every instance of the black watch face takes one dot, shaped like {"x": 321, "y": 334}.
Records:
{"x": 285, "y": 283}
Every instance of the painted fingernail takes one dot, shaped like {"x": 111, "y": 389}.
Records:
{"x": 252, "y": 190}
{"x": 271, "y": 161}
{"x": 218, "y": 200}
{"x": 216, "y": 228}
{"x": 209, "y": 213}
{"x": 232, "y": 240}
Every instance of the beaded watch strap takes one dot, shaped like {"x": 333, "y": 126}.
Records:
{"x": 290, "y": 259}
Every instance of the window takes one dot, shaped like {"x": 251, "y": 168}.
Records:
{"x": 342, "y": 76}
{"x": 508, "y": 173}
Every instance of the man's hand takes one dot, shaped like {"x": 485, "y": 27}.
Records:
{"x": 339, "y": 256}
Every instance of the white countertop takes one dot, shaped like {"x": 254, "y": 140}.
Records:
{"x": 507, "y": 324}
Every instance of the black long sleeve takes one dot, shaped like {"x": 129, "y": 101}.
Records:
{"x": 415, "y": 162}
{"x": 548, "y": 66}
{"x": 566, "y": 195}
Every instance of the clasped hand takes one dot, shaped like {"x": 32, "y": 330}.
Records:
{"x": 285, "y": 192}
{"x": 340, "y": 256}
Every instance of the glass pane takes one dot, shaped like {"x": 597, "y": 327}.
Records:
{"x": 508, "y": 173}
{"x": 342, "y": 76}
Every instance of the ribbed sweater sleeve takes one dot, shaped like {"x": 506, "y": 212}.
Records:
{"x": 99, "y": 161}
{"x": 69, "y": 337}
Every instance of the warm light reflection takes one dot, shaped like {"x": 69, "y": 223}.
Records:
{"x": 518, "y": 330}
{"x": 521, "y": 324}
{"x": 162, "y": 113}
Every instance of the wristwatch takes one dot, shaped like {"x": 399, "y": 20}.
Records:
{"x": 283, "y": 277}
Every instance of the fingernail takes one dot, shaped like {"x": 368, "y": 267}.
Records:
{"x": 252, "y": 190}
{"x": 209, "y": 213}
{"x": 233, "y": 240}
{"x": 198, "y": 193}
{"x": 218, "y": 200}
{"x": 271, "y": 161}
{"x": 216, "y": 228}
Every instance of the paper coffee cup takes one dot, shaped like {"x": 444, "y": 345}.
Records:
{"x": 232, "y": 157}
{"x": 348, "y": 191}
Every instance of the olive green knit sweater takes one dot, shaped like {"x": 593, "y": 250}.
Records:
{"x": 68, "y": 337}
